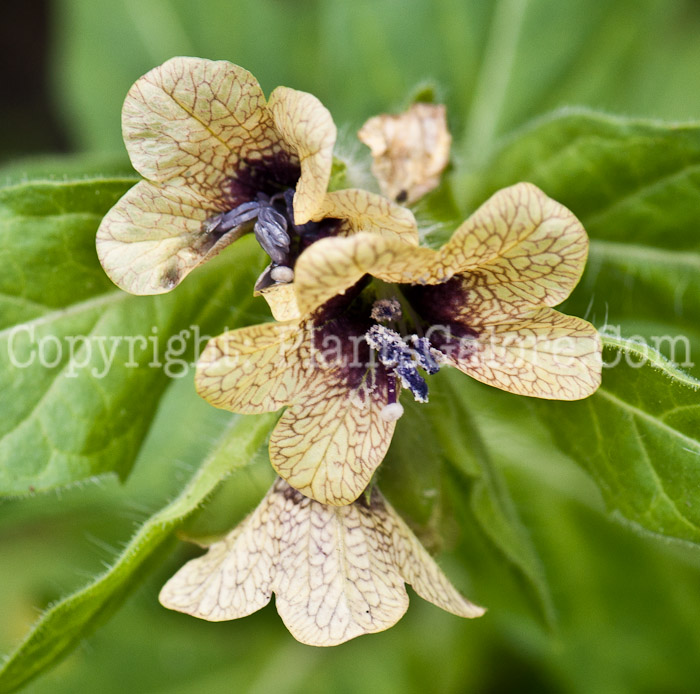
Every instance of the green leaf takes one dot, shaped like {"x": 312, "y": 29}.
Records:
{"x": 82, "y": 364}
{"x": 627, "y": 180}
{"x": 545, "y": 72}
{"x": 66, "y": 622}
{"x": 639, "y": 438}
{"x": 489, "y": 498}
{"x": 64, "y": 168}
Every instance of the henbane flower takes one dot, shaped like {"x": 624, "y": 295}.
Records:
{"x": 337, "y": 572}
{"x": 219, "y": 161}
{"x": 481, "y": 304}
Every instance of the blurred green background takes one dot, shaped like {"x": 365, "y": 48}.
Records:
{"x": 627, "y": 607}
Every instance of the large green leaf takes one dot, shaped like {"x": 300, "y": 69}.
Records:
{"x": 626, "y": 179}
{"x": 529, "y": 68}
{"x": 639, "y": 437}
{"x": 66, "y": 622}
{"x": 82, "y": 364}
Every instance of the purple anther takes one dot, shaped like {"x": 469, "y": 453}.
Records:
{"x": 386, "y": 310}
{"x": 245, "y": 212}
{"x": 411, "y": 380}
{"x": 271, "y": 232}
{"x": 404, "y": 361}
{"x": 388, "y": 344}
{"x": 226, "y": 221}
{"x": 425, "y": 354}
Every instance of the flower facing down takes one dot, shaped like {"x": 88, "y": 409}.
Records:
{"x": 380, "y": 314}
{"x": 337, "y": 572}
{"x": 219, "y": 161}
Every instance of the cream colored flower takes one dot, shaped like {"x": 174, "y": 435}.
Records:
{"x": 337, "y": 572}
{"x": 219, "y": 161}
{"x": 410, "y": 150}
{"x": 481, "y": 304}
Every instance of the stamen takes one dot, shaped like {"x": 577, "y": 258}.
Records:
{"x": 226, "y": 221}
{"x": 393, "y": 409}
{"x": 387, "y": 343}
{"x": 411, "y": 380}
{"x": 289, "y": 202}
{"x": 271, "y": 232}
{"x": 391, "y": 390}
{"x": 386, "y": 310}
{"x": 395, "y": 355}
{"x": 426, "y": 355}
{"x": 302, "y": 230}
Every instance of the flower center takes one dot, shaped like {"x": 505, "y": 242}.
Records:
{"x": 401, "y": 355}
{"x": 274, "y": 229}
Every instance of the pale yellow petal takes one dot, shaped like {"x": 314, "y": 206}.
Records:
{"x": 282, "y": 300}
{"x": 308, "y": 130}
{"x": 154, "y": 236}
{"x": 419, "y": 569}
{"x": 338, "y": 571}
{"x": 519, "y": 237}
{"x": 254, "y": 369}
{"x": 335, "y": 577}
{"x": 410, "y": 150}
{"x": 331, "y": 266}
{"x": 331, "y": 440}
{"x": 364, "y": 211}
{"x": 198, "y": 123}
{"x": 542, "y": 353}
{"x": 234, "y": 578}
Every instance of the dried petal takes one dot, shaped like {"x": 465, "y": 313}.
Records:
{"x": 410, "y": 150}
